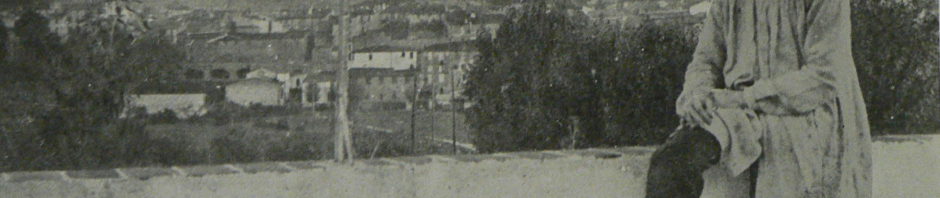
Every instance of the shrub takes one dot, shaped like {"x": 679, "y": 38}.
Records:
{"x": 230, "y": 148}
{"x": 896, "y": 53}
{"x": 277, "y": 125}
{"x": 225, "y": 113}
{"x": 126, "y": 143}
{"x": 613, "y": 81}
{"x": 166, "y": 116}
{"x": 300, "y": 146}
{"x": 120, "y": 144}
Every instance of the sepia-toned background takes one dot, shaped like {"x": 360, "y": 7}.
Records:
{"x": 103, "y": 84}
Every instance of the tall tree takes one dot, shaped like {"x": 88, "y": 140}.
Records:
{"x": 79, "y": 84}
{"x": 4, "y": 39}
{"x": 550, "y": 79}
{"x": 895, "y": 48}
{"x": 519, "y": 81}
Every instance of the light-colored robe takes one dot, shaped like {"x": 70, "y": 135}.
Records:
{"x": 806, "y": 125}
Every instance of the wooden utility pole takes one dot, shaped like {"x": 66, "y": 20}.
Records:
{"x": 453, "y": 103}
{"x": 414, "y": 105}
{"x": 453, "y": 132}
{"x": 342, "y": 144}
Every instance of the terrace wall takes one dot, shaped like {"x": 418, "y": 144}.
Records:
{"x": 905, "y": 166}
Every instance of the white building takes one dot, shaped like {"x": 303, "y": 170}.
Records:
{"x": 294, "y": 85}
{"x": 380, "y": 57}
{"x": 248, "y": 92}
{"x": 444, "y": 67}
{"x": 262, "y": 73}
{"x": 184, "y": 105}
{"x": 183, "y": 99}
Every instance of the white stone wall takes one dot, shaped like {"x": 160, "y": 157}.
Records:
{"x": 905, "y": 166}
{"x": 184, "y": 105}
{"x": 255, "y": 93}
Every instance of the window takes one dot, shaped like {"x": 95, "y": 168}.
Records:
{"x": 402, "y": 54}
{"x": 412, "y": 55}
{"x": 370, "y": 56}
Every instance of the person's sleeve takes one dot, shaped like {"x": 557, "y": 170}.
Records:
{"x": 704, "y": 72}
{"x": 827, "y": 48}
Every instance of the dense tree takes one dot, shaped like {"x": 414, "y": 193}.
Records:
{"x": 67, "y": 92}
{"x": 4, "y": 39}
{"x": 24, "y": 4}
{"x": 896, "y": 52}
{"x": 551, "y": 79}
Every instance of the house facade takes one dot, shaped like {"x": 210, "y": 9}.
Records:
{"x": 381, "y": 88}
{"x": 320, "y": 87}
{"x": 444, "y": 68}
{"x": 256, "y": 91}
{"x": 384, "y": 57}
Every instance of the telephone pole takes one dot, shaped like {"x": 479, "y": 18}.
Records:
{"x": 342, "y": 144}
{"x": 453, "y": 103}
{"x": 453, "y": 132}
{"x": 414, "y": 105}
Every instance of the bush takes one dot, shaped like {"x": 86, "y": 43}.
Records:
{"x": 230, "y": 148}
{"x": 380, "y": 144}
{"x": 120, "y": 144}
{"x": 163, "y": 117}
{"x": 300, "y": 146}
{"x": 277, "y": 125}
{"x": 611, "y": 80}
{"x": 126, "y": 143}
{"x": 226, "y": 113}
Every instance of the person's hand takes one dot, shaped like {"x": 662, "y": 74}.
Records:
{"x": 697, "y": 108}
{"x": 727, "y": 98}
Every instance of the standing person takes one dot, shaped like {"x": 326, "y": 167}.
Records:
{"x": 772, "y": 89}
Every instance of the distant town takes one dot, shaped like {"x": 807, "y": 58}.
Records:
{"x": 286, "y": 56}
